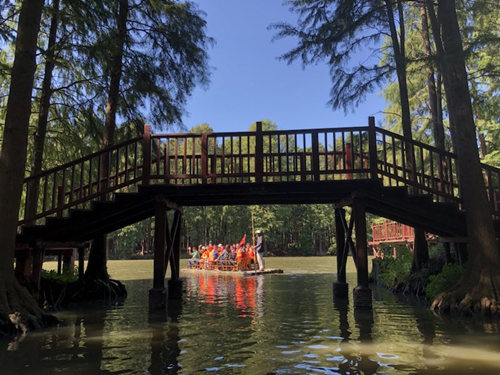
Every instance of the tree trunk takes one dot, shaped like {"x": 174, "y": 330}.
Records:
{"x": 13, "y": 297}
{"x": 96, "y": 268}
{"x": 97, "y": 262}
{"x": 437, "y": 125}
{"x": 41, "y": 129}
{"x": 116, "y": 74}
{"x": 420, "y": 252}
{"x": 479, "y": 287}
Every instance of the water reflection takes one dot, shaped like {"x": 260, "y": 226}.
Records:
{"x": 355, "y": 359}
{"x": 257, "y": 325}
{"x": 165, "y": 339}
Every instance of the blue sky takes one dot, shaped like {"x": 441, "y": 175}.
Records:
{"x": 249, "y": 83}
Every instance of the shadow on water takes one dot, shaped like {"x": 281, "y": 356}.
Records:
{"x": 165, "y": 339}
{"x": 355, "y": 360}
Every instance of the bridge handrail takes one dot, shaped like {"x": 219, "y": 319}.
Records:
{"x": 82, "y": 159}
{"x": 362, "y": 152}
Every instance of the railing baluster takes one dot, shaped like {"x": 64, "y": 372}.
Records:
{"x": 296, "y": 161}
{"x": 315, "y": 156}
{"x": 204, "y": 157}
{"x": 334, "y": 159}
{"x": 158, "y": 157}
{"x": 135, "y": 160}
{"x": 433, "y": 180}
{"x": 372, "y": 148}
{"x": 54, "y": 190}
{"x": 166, "y": 177}
{"x": 146, "y": 163}
{"x": 422, "y": 166}
{"x": 44, "y": 200}
{"x": 259, "y": 150}
{"x": 72, "y": 186}
{"x": 395, "y": 170}
{"x": 344, "y": 164}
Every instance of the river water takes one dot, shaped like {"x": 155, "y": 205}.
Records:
{"x": 272, "y": 324}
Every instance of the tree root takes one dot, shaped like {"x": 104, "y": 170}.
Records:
{"x": 110, "y": 291}
{"x": 19, "y": 312}
{"x": 467, "y": 301}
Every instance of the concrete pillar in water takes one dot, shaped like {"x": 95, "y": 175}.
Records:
{"x": 362, "y": 293}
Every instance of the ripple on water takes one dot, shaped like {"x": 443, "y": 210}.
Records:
{"x": 318, "y": 346}
{"x": 288, "y": 352}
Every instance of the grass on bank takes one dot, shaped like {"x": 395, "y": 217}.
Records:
{"x": 395, "y": 274}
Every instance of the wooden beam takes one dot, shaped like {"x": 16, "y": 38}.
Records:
{"x": 358, "y": 212}
{"x": 159, "y": 246}
{"x": 176, "y": 240}
{"x": 341, "y": 245}
{"x": 146, "y": 165}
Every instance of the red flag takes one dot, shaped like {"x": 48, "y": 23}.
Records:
{"x": 242, "y": 242}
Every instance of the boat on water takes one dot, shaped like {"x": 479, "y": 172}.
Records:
{"x": 240, "y": 257}
{"x": 232, "y": 269}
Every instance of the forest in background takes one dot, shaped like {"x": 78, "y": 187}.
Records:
{"x": 70, "y": 115}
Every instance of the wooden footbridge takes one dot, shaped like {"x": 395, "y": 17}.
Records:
{"x": 368, "y": 168}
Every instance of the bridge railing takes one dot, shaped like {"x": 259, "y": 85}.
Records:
{"x": 365, "y": 152}
{"x": 391, "y": 231}
{"x": 77, "y": 183}
{"x": 260, "y": 156}
{"x": 434, "y": 170}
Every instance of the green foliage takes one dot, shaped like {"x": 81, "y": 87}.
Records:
{"x": 67, "y": 277}
{"x": 393, "y": 272}
{"x": 334, "y": 32}
{"x": 441, "y": 282}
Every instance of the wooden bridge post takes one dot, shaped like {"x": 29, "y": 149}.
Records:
{"x": 158, "y": 294}
{"x": 146, "y": 162}
{"x": 68, "y": 260}
{"x": 348, "y": 160}
{"x": 204, "y": 157}
{"x": 362, "y": 292}
{"x": 175, "y": 283}
{"x": 259, "y": 153}
{"x": 81, "y": 262}
{"x": 372, "y": 144}
{"x": 315, "y": 156}
{"x": 340, "y": 287}
{"x": 38, "y": 253}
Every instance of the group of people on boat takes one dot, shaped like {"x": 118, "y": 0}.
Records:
{"x": 237, "y": 257}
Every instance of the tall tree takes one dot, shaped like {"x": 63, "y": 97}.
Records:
{"x": 13, "y": 156}
{"x": 157, "y": 54}
{"x": 479, "y": 288}
{"x": 334, "y": 30}
{"x": 43, "y": 116}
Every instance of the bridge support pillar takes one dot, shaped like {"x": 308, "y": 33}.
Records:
{"x": 157, "y": 299}
{"x": 362, "y": 293}
{"x": 175, "y": 282}
{"x": 68, "y": 260}
{"x": 38, "y": 253}
{"x": 158, "y": 294}
{"x": 340, "y": 287}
